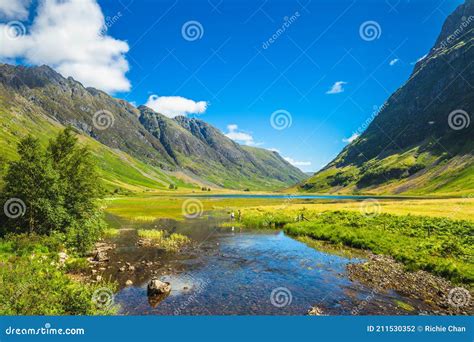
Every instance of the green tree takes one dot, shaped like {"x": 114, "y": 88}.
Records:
{"x": 80, "y": 188}
{"x": 56, "y": 191}
{"x": 78, "y": 178}
{"x": 32, "y": 184}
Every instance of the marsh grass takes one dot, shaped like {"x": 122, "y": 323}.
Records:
{"x": 111, "y": 233}
{"x": 162, "y": 239}
{"x": 438, "y": 245}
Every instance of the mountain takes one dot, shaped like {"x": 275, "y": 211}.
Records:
{"x": 422, "y": 139}
{"x": 136, "y": 148}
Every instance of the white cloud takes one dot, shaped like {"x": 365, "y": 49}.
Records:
{"x": 14, "y": 9}
{"x": 240, "y": 137}
{"x": 297, "y": 163}
{"x": 172, "y": 106}
{"x": 66, "y": 35}
{"x": 394, "y": 61}
{"x": 337, "y": 88}
{"x": 351, "y": 138}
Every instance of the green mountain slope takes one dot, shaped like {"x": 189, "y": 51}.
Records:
{"x": 414, "y": 145}
{"x": 118, "y": 169}
{"x": 135, "y": 147}
{"x": 204, "y": 150}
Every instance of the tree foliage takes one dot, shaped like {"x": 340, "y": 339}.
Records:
{"x": 58, "y": 189}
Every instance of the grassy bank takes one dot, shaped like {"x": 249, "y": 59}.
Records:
{"x": 439, "y": 245}
{"x": 35, "y": 281}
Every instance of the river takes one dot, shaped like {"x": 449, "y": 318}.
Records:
{"x": 229, "y": 271}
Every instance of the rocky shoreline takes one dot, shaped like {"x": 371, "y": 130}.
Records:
{"x": 383, "y": 273}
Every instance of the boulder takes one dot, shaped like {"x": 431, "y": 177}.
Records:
{"x": 129, "y": 283}
{"x": 101, "y": 256}
{"x": 158, "y": 287}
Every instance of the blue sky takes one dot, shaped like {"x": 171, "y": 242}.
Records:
{"x": 321, "y": 70}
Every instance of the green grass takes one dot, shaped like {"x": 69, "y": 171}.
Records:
{"x": 153, "y": 207}
{"x": 162, "y": 239}
{"x": 438, "y": 245}
{"x": 397, "y": 174}
{"x": 33, "y": 282}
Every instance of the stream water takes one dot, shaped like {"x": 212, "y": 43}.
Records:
{"x": 234, "y": 272}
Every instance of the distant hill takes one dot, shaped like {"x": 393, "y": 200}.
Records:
{"x": 422, "y": 140}
{"x": 136, "y": 148}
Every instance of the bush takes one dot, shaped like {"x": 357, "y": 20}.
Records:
{"x": 81, "y": 235}
{"x": 32, "y": 286}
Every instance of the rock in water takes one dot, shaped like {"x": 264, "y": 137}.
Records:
{"x": 157, "y": 287}
{"x": 315, "y": 311}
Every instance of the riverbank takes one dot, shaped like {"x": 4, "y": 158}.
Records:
{"x": 39, "y": 276}
{"x": 438, "y": 245}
